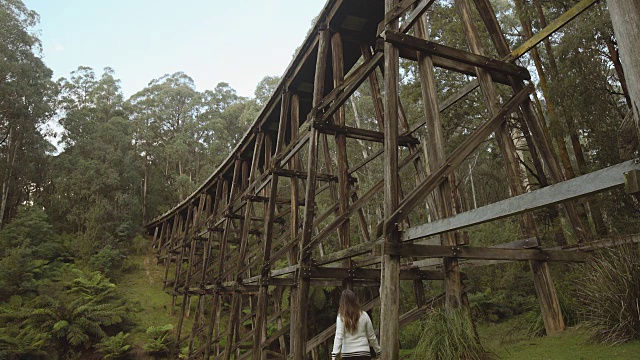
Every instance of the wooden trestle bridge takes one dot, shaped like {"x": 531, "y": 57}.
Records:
{"x": 286, "y": 209}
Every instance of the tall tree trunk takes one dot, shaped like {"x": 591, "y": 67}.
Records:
{"x": 6, "y": 183}
{"x": 144, "y": 192}
{"x": 591, "y": 204}
{"x": 556, "y": 128}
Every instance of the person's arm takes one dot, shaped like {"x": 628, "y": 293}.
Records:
{"x": 337, "y": 341}
{"x": 371, "y": 336}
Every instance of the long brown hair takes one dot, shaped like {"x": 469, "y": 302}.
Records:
{"x": 349, "y": 310}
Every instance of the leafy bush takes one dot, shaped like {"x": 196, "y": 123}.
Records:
{"x": 449, "y": 335}
{"x": 106, "y": 260}
{"x": 114, "y": 347}
{"x": 158, "y": 341}
{"x": 610, "y": 294}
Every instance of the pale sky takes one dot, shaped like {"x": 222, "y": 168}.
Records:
{"x": 235, "y": 41}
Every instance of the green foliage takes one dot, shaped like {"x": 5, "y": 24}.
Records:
{"x": 106, "y": 260}
{"x": 609, "y": 292}
{"x": 410, "y": 335}
{"x": 266, "y": 88}
{"x": 30, "y": 227}
{"x": 490, "y": 306}
{"x": 114, "y": 347}
{"x": 158, "y": 341}
{"x": 72, "y": 313}
{"x": 449, "y": 335}
{"x": 26, "y": 94}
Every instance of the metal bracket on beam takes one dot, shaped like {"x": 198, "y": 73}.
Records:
{"x": 305, "y": 271}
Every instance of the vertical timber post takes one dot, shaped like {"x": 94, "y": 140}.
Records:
{"x": 545, "y": 289}
{"x": 390, "y": 295}
{"x": 341, "y": 149}
{"x": 299, "y": 327}
{"x": 437, "y": 155}
{"x": 625, "y": 17}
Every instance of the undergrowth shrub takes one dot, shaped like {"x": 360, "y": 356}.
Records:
{"x": 449, "y": 335}
{"x": 158, "y": 342}
{"x": 114, "y": 347}
{"x": 609, "y": 292}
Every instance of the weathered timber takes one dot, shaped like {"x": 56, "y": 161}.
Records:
{"x": 545, "y": 290}
{"x": 390, "y": 294}
{"x": 625, "y": 18}
{"x": 360, "y": 134}
{"x": 597, "y": 181}
{"x": 470, "y": 252}
{"x": 232, "y": 211}
{"x": 554, "y": 26}
{"x": 431, "y": 48}
{"x": 453, "y": 160}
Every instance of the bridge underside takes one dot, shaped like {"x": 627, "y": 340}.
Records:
{"x": 316, "y": 195}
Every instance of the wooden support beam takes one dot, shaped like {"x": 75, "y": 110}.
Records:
{"x": 299, "y": 319}
{"x": 360, "y": 134}
{"x": 346, "y": 89}
{"x": 307, "y": 249}
{"x": 390, "y": 292}
{"x": 415, "y": 15}
{"x": 446, "y": 63}
{"x": 302, "y": 175}
{"x": 554, "y": 26}
{"x": 597, "y": 181}
{"x": 398, "y": 10}
{"x": 430, "y": 48}
{"x": 523, "y": 49}
{"x": 452, "y": 161}
{"x": 316, "y": 272}
{"x": 625, "y": 18}
{"x": 352, "y": 251}
{"x": 480, "y": 253}
{"x": 549, "y": 304}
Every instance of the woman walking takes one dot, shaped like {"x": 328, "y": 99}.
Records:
{"x": 354, "y": 331}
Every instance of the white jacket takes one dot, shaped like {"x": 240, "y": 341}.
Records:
{"x": 358, "y": 342}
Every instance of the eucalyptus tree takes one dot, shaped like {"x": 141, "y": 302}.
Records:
{"x": 26, "y": 96}
{"x": 93, "y": 188}
{"x": 182, "y": 135}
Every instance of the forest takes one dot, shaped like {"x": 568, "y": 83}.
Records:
{"x": 75, "y": 197}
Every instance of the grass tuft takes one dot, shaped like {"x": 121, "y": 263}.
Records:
{"x": 610, "y": 295}
{"x": 449, "y": 335}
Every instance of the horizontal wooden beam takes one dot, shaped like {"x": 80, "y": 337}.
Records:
{"x": 317, "y": 272}
{"x": 361, "y": 134}
{"x": 529, "y": 243}
{"x": 447, "y": 64}
{"x": 348, "y": 253}
{"x": 481, "y": 253}
{"x": 428, "y": 47}
{"x": 591, "y": 183}
{"x": 303, "y": 175}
